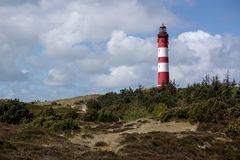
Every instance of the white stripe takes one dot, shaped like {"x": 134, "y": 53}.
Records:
{"x": 162, "y": 52}
{"x": 162, "y": 67}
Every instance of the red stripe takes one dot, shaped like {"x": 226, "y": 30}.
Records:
{"x": 162, "y": 42}
{"x": 162, "y": 59}
{"x": 165, "y": 45}
{"x": 163, "y": 78}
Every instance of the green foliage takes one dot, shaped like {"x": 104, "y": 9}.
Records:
{"x": 176, "y": 113}
{"x": 208, "y": 101}
{"x": 91, "y": 115}
{"x": 211, "y": 101}
{"x": 68, "y": 124}
{"x": 159, "y": 109}
{"x": 167, "y": 115}
{"x": 71, "y": 115}
{"x": 13, "y": 111}
{"x": 93, "y": 104}
{"x": 212, "y": 88}
{"x": 234, "y": 112}
{"x": 181, "y": 113}
{"x": 102, "y": 115}
{"x": 106, "y": 116}
{"x": 49, "y": 112}
{"x": 131, "y": 104}
{"x": 233, "y": 129}
{"x": 212, "y": 110}
{"x": 135, "y": 113}
{"x": 49, "y": 118}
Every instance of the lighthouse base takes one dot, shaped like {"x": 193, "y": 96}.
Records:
{"x": 163, "y": 78}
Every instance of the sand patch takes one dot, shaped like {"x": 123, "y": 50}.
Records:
{"x": 113, "y": 139}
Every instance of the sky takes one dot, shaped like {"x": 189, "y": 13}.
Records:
{"x": 66, "y": 48}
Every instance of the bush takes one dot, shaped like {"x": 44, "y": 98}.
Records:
{"x": 159, "y": 109}
{"x": 49, "y": 112}
{"x": 71, "y": 115}
{"x": 134, "y": 113}
{"x": 50, "y": 119}
{"x": 102, "y": 115}
{"x": 91, "y": 115}
{"x": 234, "y": 112}
{"x": 233, "y": 129}
{"x": 64, "y": 125}
{"x": 211, "y": 110}
{"x": 106, "y": 116}
{"x": 55, "y": 124}
{"x": 167, "y": 115}
{"x": 181, "y": 113}
{"x": 177, "y": 113}
{"x": 93, "y": 104}
{"x": 13, "y": 111}
{"x": 54, "y": 104}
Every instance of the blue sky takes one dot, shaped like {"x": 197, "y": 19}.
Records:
{"x": 65, "y": 48}
{"x": 212, "y": 16}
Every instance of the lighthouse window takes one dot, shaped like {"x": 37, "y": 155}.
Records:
{"x": 162, "y": 29}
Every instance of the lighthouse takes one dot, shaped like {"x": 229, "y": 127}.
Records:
{"x": 163, "y": 68}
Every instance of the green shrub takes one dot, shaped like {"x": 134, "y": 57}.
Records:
{"x": 50, "y": 119}
{"x": 71, "y": 115}
{"x": 54, "y": 104}
{"x": 93, "y": 104}
{"x": 56, "y": 124}
{"x": 234, "y": 112}
{"x": 211, "y": 110}
{"x": 91, "y": 115}
{"x": 68, "y": 124}
{"x": 49, "y": 112}
{"x": 181, "y": 113}
{"x": 106, "y": 116}
{"x": 167, "y": 115}
{"x": 135, "y": 113}
{"x": 37, "y": 122}
{"x": 233, "y": 129}
{"x": 174, "y": 113}
{"x": 159, "y": 109}
{"x": 13, "y": 111}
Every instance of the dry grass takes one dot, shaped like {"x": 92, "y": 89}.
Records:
{"x": 70, "y": 101}
{"x": 112, "y": 133}
{"x": 118, "y": 141}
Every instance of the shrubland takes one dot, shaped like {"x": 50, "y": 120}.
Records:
{"x": 16, "y": 112}
{"x": 210, "y": 101}
{"x": 34, "y": 131}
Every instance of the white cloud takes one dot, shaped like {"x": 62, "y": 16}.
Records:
{"x": 195, "y": 54}
{"x": 18, "y": 34}
{"x": 57, "y": 77}
{"x": 10, "y": 51}
{"x": 118, "y": 77}
{"x": 74, "y": 22}
{"x": 130, "y": 50}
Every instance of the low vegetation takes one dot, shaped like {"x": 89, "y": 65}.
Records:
{"x": 211, "y": 101}
{"x": 31, "y": 130}
{"x": 16, "y": 112}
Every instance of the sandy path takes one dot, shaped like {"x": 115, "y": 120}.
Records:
{"x": 156, "y": 126}
{"x": 112, "y": 139}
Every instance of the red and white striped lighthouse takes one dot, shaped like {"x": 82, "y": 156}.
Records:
{"x": 163, "y": 69}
